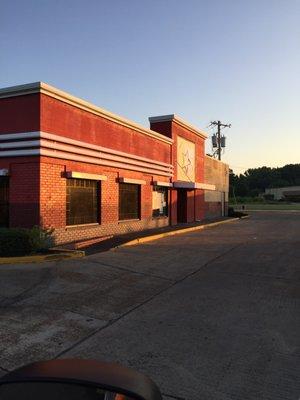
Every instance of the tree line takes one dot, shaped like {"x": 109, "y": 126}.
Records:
{"x": 255, "y": 180}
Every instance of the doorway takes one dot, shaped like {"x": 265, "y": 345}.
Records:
{"x": 181, "y": 206}
{"x": 4, "y": 202}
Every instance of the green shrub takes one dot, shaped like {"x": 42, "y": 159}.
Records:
{"x": 41, "y": 238}
{"x": 20, "y": 241}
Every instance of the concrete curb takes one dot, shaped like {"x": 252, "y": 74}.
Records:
{"x": 280, "y": 211}
{"x": 42, "y": 258}
{"x": 176, "y": 232}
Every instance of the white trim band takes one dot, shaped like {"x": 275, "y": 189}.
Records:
{"x": 70, "y": 149}
{"x": 84, "y": 175}
{"x": 134, "y": 181}
{"x": 161, "y": 183}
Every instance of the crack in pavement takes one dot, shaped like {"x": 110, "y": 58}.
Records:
{"x": 43, "y": 283}
{"x": 131, "y": 270}
{"x": 170, "y": 396}
{"x": 261, "y": 276}
{"x": 79, "y": 342}
{"x": 67, "y": 310}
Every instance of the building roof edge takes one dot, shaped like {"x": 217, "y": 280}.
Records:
{"x": 44, "y": 88}
{"x": 179, "y": 121}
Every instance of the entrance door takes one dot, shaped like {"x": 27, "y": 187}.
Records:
{"x": 181, "y": 206}
{"x": 4, "y": 201}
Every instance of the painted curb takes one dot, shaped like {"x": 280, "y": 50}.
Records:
{"x": 41, "y": 258}
{"x": 176, "y": 232}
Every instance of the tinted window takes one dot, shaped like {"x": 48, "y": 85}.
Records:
{"x": 82, "y": 201}
{"x": 129, "y": 201}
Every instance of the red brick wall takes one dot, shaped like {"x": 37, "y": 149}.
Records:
{"x": 66, "y": 120}
{"x": 38, "y": 194}
{"x": 52, "y": 195}
{"x": 24, "y": 183}
{"x": 199, "y": 204}
{"x": 38, "y": 197}
{"x": 53, "y": 201}
{"x": 20, "y": 114}
{"x": 110, "y": 198}
{"x": 173, "y": 206}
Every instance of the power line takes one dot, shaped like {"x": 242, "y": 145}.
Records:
{"x": 219, "y": 141}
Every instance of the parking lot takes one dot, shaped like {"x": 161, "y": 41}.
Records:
{"x": 212, "y": 314}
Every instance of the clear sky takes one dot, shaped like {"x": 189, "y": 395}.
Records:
{"x": 233, "y": 60}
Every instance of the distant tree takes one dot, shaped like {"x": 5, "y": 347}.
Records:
{"x": 291, "y": 174}
{"x": 259, "y": 178}
{"x": 255, "y": 180}
{"x": 242, "y": 187}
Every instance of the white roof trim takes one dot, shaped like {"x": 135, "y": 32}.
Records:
{"x": 179, "y": 121}
{"x": 134, "y": 181}
{"x": 41, "y": 87}
{"x": 83, "y": 175}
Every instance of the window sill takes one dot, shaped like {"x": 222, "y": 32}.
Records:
{"x": 128, "y": 220}
{"x": 161, "y": 217}
{"x": 92, "y": 225}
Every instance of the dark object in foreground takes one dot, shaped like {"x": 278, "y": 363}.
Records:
{"x": 77, "y": 380}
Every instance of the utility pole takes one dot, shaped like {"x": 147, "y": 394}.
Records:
{"x": 220, "y": 140}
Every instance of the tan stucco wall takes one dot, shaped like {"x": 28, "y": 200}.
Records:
{"x": 217, "y": 173}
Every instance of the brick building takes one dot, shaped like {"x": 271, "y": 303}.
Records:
{"x": 88, "y": 173}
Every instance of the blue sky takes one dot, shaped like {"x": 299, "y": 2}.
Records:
{"x": 236, "y": 61}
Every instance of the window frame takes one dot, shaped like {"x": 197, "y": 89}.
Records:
{"x": 126, "y": 217}
{"x": 161, "y": 189}
{"x": 96, "y": 217}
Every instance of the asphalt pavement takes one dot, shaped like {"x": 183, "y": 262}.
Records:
{"x": 210, "y": 315}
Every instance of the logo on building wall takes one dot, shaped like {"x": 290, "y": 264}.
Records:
{"x": 185, "y": 160}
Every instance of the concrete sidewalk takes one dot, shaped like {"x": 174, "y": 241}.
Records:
{"x": 133, "y": 238}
